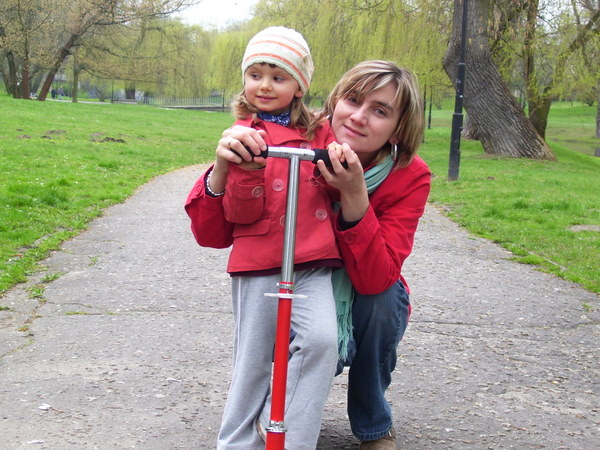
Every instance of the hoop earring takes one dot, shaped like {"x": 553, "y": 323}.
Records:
{"x": 394, "y": 152}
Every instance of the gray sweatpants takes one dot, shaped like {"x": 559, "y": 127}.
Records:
{"x": 312, "y": 363}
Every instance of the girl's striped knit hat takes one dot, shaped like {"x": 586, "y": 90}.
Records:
{"x": 284, "y": 47}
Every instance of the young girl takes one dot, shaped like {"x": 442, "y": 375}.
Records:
{"x": 241, "y": 201}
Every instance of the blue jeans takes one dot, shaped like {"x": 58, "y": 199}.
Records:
{"x": 379, "y": 322}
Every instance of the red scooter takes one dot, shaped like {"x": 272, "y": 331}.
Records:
{"x": 276, "y": 429}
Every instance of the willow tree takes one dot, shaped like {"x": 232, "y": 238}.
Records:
{"x": 501, "y": 124}
{"x": 166, "y": 58}
{"x": 225, "y": 63}
{"x": 193, "y": 65}
{"x": 78, "y": 18}
{"x": 333, "y": 48}
{"x": 422, "y": 50}
{"x": 104, "y": 54}
{"x": 543, "y": 79}
{"x": 112, "y": 53}
{"x": 344, "y": 32}
{"x": 326, "y": 26}
{"x": 545, "y": 49}
{"x": 581, "y": 80}
{"x": 23, "y": 42}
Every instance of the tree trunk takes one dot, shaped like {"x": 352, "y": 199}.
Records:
{"x": 64, "y": 52}
{"x": 598, "y": 119}
{"x": 25, "y": 91}
{"x": 130, "y": 93}
{"x": 75, "y": 86}
{"x": 539, "y": 109}
{"x": 598, "y": 115}
{"x": 539, "y": 104}
{"x": 12, "y": 75}
{"x": 469, "y": 130}
{"x": 540, "y": 97}
{"x": 500, "y": 123}
{"x": 4, "y": 75}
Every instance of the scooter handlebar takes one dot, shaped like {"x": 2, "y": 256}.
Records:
{"x": 312, "y": 155}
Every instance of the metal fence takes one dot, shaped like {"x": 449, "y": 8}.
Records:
{"x": 214, "y": 102}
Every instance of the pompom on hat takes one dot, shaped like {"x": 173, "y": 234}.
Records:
{"x": 284, "y": 47}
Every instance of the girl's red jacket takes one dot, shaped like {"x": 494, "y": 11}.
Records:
{"x": 251, "y": 214}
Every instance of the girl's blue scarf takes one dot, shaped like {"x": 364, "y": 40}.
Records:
{"x": 281, "y": 119}
{"x": 342, "y": 286}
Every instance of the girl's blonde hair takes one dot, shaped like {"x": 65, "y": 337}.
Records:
{"x": 301, "y": 116}
{"x": 369, "y": 76}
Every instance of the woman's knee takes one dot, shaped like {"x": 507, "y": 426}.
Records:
{"x": 389, "y": 302}
{"x": 381, "y": 316}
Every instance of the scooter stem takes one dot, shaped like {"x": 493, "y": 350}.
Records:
{"x": 276, "y": 429}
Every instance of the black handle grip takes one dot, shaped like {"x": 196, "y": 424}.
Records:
{"x": 263, "y": 153}
{"x": 323, "y": 155}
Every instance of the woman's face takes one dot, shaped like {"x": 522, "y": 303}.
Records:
{"x": 367, "y": 124}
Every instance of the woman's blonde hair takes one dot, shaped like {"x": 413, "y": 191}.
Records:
{"x": 301, "y": 116}
{"x": 369, "y": 76}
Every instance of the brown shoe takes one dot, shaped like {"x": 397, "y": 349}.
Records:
{"x": 388, "y": 442}
{"x": 261, "y": 430}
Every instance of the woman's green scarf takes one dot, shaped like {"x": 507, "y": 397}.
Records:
{"x": 342, "y": 286}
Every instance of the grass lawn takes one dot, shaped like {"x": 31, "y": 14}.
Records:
{"x": 546, "y": 213}
{"x": 569, "y": 125}
{"x": 64, "y": 163}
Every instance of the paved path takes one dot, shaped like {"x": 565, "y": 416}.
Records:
{"x": 131, "y": 347}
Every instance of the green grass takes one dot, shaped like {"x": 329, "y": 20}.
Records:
{"x": 529, "y": 207}
{"x": 572, "y": 125}
{"x": 63, "y": 164}
{"x": 569, "y": 125}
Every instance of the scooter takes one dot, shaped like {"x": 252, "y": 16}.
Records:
{"x": 276, "y": 429}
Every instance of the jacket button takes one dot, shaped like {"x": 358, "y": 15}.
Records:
{"x": 282, "y": 221}
{"x": 350, "y": 238}
{"x": 258, "y": 191}
{"x": 321, "y": 214}
{"x": 278, "y": 185}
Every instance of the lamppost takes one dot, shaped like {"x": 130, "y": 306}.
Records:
{"x": 457, "y": 117}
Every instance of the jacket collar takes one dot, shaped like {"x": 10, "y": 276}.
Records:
{"x": 277, "y": 134}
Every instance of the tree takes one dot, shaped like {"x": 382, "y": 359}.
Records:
{"x": 541, "y": 88}
{"x": 9, "y": 76}
{"x": 343, "y": 32}
{"x": 43, "y": 33}
{"x": 501, "y": 124}
{"x": 22, "y": 41}
{"x": 83, "y": 16}
{"x": 226, "y": 59}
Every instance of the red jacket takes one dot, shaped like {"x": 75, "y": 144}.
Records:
{"x": 251, "y": 214}
{"x": 375, "y": 249}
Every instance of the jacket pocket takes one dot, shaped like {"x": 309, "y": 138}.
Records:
{"x": 254, "y": 229}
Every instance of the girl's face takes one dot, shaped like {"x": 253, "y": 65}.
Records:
{"x": 270, "y": 88}
{"x": 367, "y": 124}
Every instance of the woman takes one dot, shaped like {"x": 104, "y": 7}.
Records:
{"x": 376, "y": 113}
